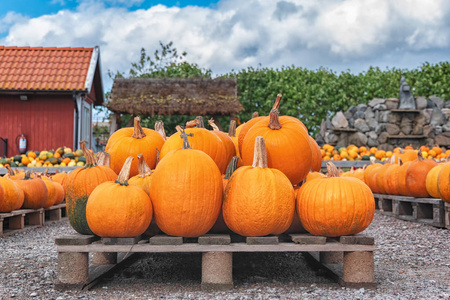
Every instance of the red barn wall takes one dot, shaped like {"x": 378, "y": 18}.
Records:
{"x": 46, "y": 120}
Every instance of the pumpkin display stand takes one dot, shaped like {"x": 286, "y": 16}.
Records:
{"x": 24, "y": 219}
{"x": 349, "y": 258}
{"x": 430, "y": 211}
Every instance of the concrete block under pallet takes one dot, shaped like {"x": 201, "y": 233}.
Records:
{"x": 447, "y": 214}
{"x": 217, "y": 271}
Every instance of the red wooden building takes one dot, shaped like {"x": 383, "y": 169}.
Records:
{"x": 48, "y": 94}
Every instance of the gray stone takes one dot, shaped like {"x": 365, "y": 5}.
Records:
{"x": 383, "y": 137}
{"x": 446, "y": 127}
{"x": 166, "y": 240}
{"x": 446, "y": 112}
{"x": 421, "y": 102}
{"x": 386, "y": 147}
{"x": 262, "y": 240}
{"x": 358, "y": 138}
{"x": 392, "y": 129}
{"x": 361, "y": 125}
{"x": 372, "y": 142}
{"x": 380, "y": 107}
{"x": 372, "y": 135}
{"x": 214, "y": 239}
{"x": 427, "y": 130}
{"x": 320, "y": 139}
{"x": 389, "y": 117}
{"x": 406, "y": 128}
{"x": 417, "y": 129}
{"x": 331, "y": 138}
{"x": 437, "y": 117}
{"x": 339, "y": 120}
{"x": 369, "y": 113}
{"x": 323, "y": 128}
{"x": 374, "y": 102}
{"x": 328, "y": 124}
{"x": 392, "y": 103}
{"x": 359, "y": 115}
{"x": 351, "y": 122}
{"x": 343, "y": 140}
{"x": 406, "y": 97}
{"x": 447, "y": 104}
{"x": 437, "y": 130}
{"x": 430, "y": 104}
{"x": 380, "y": 128}
{"x": 372, "y": 123}
{"x": 442, "y": 140}
{"x": 352, "y": 109}
{"x": 348, "y": 115}
{"x": 439, "y": 102}
{"x": 423, "y": 118}
{"x": 361, "y": 107}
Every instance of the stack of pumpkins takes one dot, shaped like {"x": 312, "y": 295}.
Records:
{"x": 31, "y": 191}
{"x": 408, "y": 174}
{"x": 189, "y": 185}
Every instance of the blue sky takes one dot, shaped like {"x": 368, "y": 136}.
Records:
{"x": 225, "y": 35}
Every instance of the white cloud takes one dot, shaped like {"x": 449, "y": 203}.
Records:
{"x": 341, "y": 35}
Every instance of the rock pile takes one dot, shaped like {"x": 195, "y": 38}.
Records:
{"x": 382, "y": 124}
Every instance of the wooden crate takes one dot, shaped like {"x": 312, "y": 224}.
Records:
{"x": 350, "y": 256}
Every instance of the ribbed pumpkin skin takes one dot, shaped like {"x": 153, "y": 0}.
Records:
{"x": 79, "y": 185}
{"x": 186, "y": 193}
{"x": 368, "y": 170}
{"x": 258, "y": 201}
{"x": 372, "y": 179}
{"x": 402, "y": 190}
{"x": 121, "y": 145}
{"x": 416, "y": 175}
{"x": 61, "y": 178}
{"x": 203, "y": 140}
{"x": 391, "y": 179}
{"x": 115, "y": 210}
{"x": 52, "y": 193}
{"x": 431, "y": 181}
{"x": 316, "y": 155}
{"x": 314, "y": 175}
{"x": 228, "y": 143}
{"x": 12, "y": 198}
{"x": 288, "y": 148}
{"x": 35, "y": 192}
{"x": 335, "y": 206}
{"x": 143, "y": 182}
{"x": 444, "y": 182}
{"x": 59, "y": 193}
{"x": 380, "y": 178}
{"x": 241, "y": 131}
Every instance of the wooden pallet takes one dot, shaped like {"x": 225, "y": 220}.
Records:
{"x": 447, "y": 214}
{"x": 429, "y": 211}
{"x": 351, "y": 256}
{"x": 23, "y": 219}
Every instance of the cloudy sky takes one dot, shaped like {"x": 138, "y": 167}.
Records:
{"x": 223, "y": 35}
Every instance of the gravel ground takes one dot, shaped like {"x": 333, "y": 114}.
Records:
{"x": 412, "y": 261}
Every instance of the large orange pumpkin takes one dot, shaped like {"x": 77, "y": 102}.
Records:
{"x": 186, "y": 190}
{"x": 288, "y": 146}
{"x": 144, "y": 178}
{"x": 402, "y": 190}
{"x": 416, "y": 176}
{"x": 12, "y": 195}
{"x": 228, "y": 143}
{"x": 79, "y": 185}
{"x": 131, "y": 142}
{"x": 316, "y": 155}
{"x": 391, "y": 178}
{"x": 431, "y": 182}
{"x": 258, "y": 200}
{"x": 335, "y": 206}
{"x": 443, "y": 182}
{"x": 119, "y": 209}
{"x": 60, "y": 178}
{"x": 34, "y": 190}
{"x": 244, "y": 128}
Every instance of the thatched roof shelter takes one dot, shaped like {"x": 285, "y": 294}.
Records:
{"x": 174, "y": 96}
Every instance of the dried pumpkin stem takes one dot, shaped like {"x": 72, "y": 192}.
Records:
{"x": 274, "y": 122}
{"x": 10, "y": 171}
{"x": 159, "y": 127}
{"x": 260, "y": 155}
{"x": 232, "y": 129}
{"x": 192, "y": 124}
{"x": 184, "y": 136}
{"x": 138, "y": 132}
{"x": 276, "y": 105}
{"x": 144, "y": 169}
{"x": 104, "y": 159}
{"x": 255, "y": 115}
{"x": 179, "y": 128}
{"x": 27, "y": 175}
{"x": 213, "y": 125}
{"x": 332, "y": 170}
{"x": 124, "y": 174}
{"x": 200, "y": 124}
{"x": 90, "y": 161}
{"x": 231, "y": 167}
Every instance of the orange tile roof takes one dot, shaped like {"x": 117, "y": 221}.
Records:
{"x": 39, "y": 68}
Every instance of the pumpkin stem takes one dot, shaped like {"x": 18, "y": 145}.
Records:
{"x": 332, "y": 170}
{"x": 184, "y": 136}
{"x": 27, "y": 175}
{"x": 232, "y": 129}
{"x": 231, "y": 167}
{"x": 159, "y": 127}
{"x": 274, "y": 122}
{"x": 213, "y": 125}
{"x": 276, "y": 105}
{"x": 179, "y": 128}
{"x": 200, "y": 124}
{"x": 144, "y": 169}
{"x": 157, "y": 156}
{"x": 138, "y": 132}
{"x": 260, "y": 156}
{"x": 255, "y": 114}
{"x": 104, "y": 159}
{"x": 124, "y": 174}
{"x": 192, "y": 124}
{"x": 419, "y": 154}
{"x": 46, "y": 172}
{"x": 90, "y": 161}
{"x": 10, "y": 171}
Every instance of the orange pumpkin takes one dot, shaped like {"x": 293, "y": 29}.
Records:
{"x": 316, "y": 155}
{"x": 52, "y": 192}
{"x": 119, "y": 209}
{"x": 34, "y": 190}
{"x": 258, "y": 200}
{"x": 431, "y": 181}
{"x": 186, "y": 190}
{"x": 246, "y": 127}
{"x": 288, "y": 146}
{"x": 131, "y": 142}
{"x": 144, "y": 178}
{"x": 60, "y": 178}
{"x": 79, "y": 185}
{"x": 12, "y": 195}
{"x": 314, "y": 175}
{"x": 391, "y": 178}
{"x": 443, "y": 182}
{"x": 228, "y": 143}
{"x": 402, "y": 179}
{"x": 380, "y": 177}
{"x": 335, "y": 206}
{"x": 416, "y": 175}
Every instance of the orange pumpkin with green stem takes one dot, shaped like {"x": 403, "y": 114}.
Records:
{"x": 186, "y": 190}
{"x": 118, "y": 209}
{"x": 79, "y": 185}
{"x": 258, "y": 200}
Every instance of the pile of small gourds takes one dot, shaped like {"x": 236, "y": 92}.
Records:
{"x": 249, "y": 180}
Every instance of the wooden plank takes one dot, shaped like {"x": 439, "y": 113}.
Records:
{"x": 121, "y": 241}
{"x": 308, "y": 239}
{"x": 234, "y": 247}
{"x": 214, "y": 239}
{"x": 75, "y": 239}
{"x": 262, "y": 240}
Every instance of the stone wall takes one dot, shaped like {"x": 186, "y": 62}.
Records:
{"x": 381, "y": 124}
